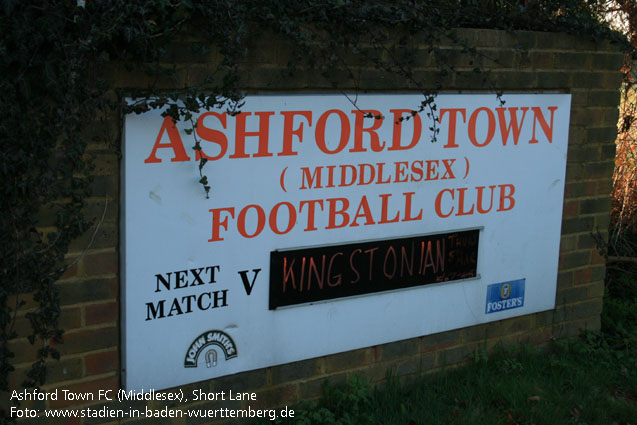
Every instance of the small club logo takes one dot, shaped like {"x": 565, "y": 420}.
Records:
{"x": 216, "y": 340}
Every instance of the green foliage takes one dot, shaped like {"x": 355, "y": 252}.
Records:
{"x": 347, "y": 404}
{"x": 56, "y": 60}
{"x": 619, "y": 318}
{"x": 45, "y": 104}
{"x": 577, "y": 381}
{"x": 480, "y": 356}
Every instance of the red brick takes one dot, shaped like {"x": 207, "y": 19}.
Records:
{"x": 585, "y": 116}
{"x": 508, "y": 326}
{"x": 295, "y": 371}
{"x": 438, "y": 341}
{"x": 88, "y": 340}
{"x": 243, "y": 381}
{"x": 26, "y": 298}
{"x": 89, "y": 290}
{"x": 17, "y": 376}
{"x": 23, "y": 350}
{"x": 103, "y": 237}
{"x": 101, "y": 263}
{"x": 571, "y": 295}
{"x": 455, "y": 355}
{"x": 22, "y": 325}
{"x": 398, "y": 349}
{"x": 65, "y": 369}
{"x": 592, "y": 308}
{"x": 596, "y": 290}
{"x": 348, "y": 360}
{"x": 71, "y": 271}
{"x": 597, "y": 258}
{"x": 604, "y": 187}
{"x": 105, "y": 163}
{"x": 571, "y": 208}
{"x": 574, "y": 259}
{"x": 543, "y": 318}
{"x": 313, "y": 389}
{"x": 101, "y": 313}
{"x": 378, "y": 351}
{"x": 564, "y": 280}
{"x": 566, "y": 330}
{"x": 70, "y": 318}
{"x": 593, "y": 323}
{"x": 568, "y": 243}
{"x": 583, "y": 276}
{"x": 275, "y": 397}
{"x": 474, "y": 333}
{"x": 99, "y": 363}
{"x": 539, "y": 336}
{"x": 579, "y": 189}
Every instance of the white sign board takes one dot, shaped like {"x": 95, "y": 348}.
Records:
{"x": 310, "y": 171}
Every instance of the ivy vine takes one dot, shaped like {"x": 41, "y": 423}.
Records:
{"x": 56, "y": 63}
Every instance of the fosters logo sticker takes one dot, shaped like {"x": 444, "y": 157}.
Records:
{"x": 505, "y": 296}
{"x": 211, "y": 342}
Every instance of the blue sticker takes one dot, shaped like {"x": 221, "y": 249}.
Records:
{"x": 505, "y": 296}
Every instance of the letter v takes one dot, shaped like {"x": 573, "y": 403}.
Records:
{"x": 244, "y": 278}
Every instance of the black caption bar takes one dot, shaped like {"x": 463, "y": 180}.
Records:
{"x": 337, "y": 271}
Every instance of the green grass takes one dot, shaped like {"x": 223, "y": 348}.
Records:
{"x": 585, "y": 381}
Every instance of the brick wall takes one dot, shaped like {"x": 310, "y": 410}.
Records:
{"x": 517, "y": 62}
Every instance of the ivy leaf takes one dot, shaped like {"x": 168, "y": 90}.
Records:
{"x": 202, "y": 162}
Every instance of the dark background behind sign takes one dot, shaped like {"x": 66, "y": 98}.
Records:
{"x": 336, "y": 271}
